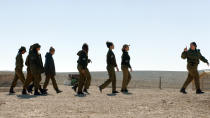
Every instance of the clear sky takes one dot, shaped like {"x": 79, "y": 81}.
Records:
{"x": 157, "y": 30}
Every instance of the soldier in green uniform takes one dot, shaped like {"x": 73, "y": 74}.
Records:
{"x": 50, "y": 71}
{"x": 36, "y": 67}
{"x": 193, "y": 55}
{"x": 29, "y": 77}
{"x": 18, "y": 69}
{"x": 125, "y": 65}
{"x": 85, "y": 77}
{"x": 111, "y": 65}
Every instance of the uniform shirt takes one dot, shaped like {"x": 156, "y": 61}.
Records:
{"x": 49, "y": 65}
{"x": 193, "y": 57}
{"x": 126, "y": 59}
{"x": 19, "y": 61}
{"x": 35, "y": 62}
{"x": 111, "y": 60}
{"x": 83, "y": 59}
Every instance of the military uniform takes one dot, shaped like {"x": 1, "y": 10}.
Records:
{"x": 85, "y": 79}
{"x": 125, "y": 64}
{"x": 50, "y": 71}
{"x": 18, "y": 70}
{"x": 36, "y": 68}
{"x": 111, "y": 64}
{"x": 29, "y": 77}
{"x": 193, "y": 57}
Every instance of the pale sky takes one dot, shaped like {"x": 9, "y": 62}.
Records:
{"x": 157, "y": 30}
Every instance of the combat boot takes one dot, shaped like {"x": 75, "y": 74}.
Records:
{"x": 100, "y": 89}
{"x": 24, "y": 92}
{"x": 74, "y": 88}
{"x": 11, "y": 91}
{"x": 58, "y": 91}
{"x": 30, "y": 88}
{"x": 183, "y": 91}
{"x": 86, "y": 91}
{"x": 80, "y": 94}
{"x": 115, "y": 92}
{"x": 36, "y": 92}
{"x": 198, "y": 91}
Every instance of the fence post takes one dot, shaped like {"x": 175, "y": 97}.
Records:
{"x": 160, "y": 83}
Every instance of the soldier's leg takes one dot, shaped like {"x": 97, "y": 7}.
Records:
{"x": 113, "y": 78}
{"x": 125, "y": 77}
{"x": 54, "y": 83}
{"x": 81, "y": 80}
{"x": 88, "y": 79}
{"x": 187, "y": 82}
{"x": 21, "y": 77}
{"x": 28, "y": 80}
{"x": 196, "y": 79}
{"x": 108, "y": 81}
{"x": 14, "y": 82}
{"x": 129, "y": 78}
{"x": 37, "y": 79}
{"x": 46, "y": 81}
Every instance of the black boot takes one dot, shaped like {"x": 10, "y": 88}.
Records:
{"x": 100, "y": 89}
{"x": 183, "y": 91}
{"x": 74, "y": 88}
{"x": 58, "y": 91}
{"x": 124, "y": 91}
{"x": 115, "y": 92}
{"x": 11, "y": 91}
{"x": 30, "y": 88}
{"x": 86, "y": 91}
{"x": 80, "y": 94}
{"x": 36, "y": 92}
{"x": 44, "y": 91}
{"x": 198, "y": 91}
{"x": 24, "y": 92}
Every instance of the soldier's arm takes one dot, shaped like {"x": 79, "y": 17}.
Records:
{"x": 27, "y": 60}
{"x": 115, "y": 62}
{"x": 129, "y": 65}
{"x": 47, "y": 64}
{"x": 202, "y": 58}
{"x": 184, "y": 55}
{"x": 18, "y": 61}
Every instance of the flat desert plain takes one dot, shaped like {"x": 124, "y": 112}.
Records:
{"x": 139, "y": 103}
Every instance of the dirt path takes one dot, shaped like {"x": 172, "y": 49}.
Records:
{"x": 142, "y": 103}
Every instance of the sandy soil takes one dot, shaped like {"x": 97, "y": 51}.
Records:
{"x": 140, "y": 103}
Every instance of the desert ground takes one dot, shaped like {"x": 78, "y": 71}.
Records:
{"x": 139, "y": 103}
{"x": 145, "y": 100}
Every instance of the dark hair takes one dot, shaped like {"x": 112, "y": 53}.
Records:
{"x": 22, "y": 49}
{"x": 36, "y": 45}
{"x": 194, "y": 43}
{"x": 124, "y": 46}
{"x": 85, "y": 47}
{"x": 52, "y": 49}
{"x": 109, "y": 44}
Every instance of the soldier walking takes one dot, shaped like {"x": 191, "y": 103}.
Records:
{"x": 36, "y": 67}
{"x": 18, "y": 69}
{"x": 111, "y": 65}
{"x": 193, "y": 56}
{"x": 85, "y": 77}
{"x": 125, "y": 65}
{"x": 50, "y": 71}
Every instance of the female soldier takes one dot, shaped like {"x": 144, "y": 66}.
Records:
{"x": 18, "y": 69}
{"x": 125, "y": 64}
{"x": 193, "y": 56}
{"x": 36, "y": 67}
{"x": 85, "y": 77}
{"x": 111, "y": 64}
